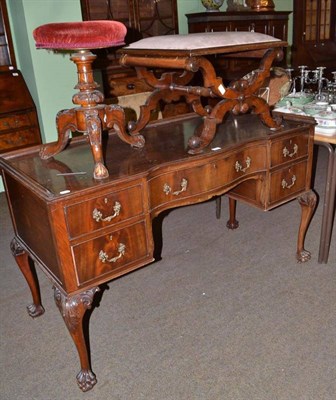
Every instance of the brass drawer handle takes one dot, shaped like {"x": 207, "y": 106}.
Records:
{"x": 286, "y": 152}
{"x": 239, "y": 167}
{"x": 98, "y": 216}
{"x": 167, "y": 189}
{"x": 285, "y": 185}
{"x": 104, "y": 257}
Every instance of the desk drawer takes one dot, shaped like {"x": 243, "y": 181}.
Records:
{"x": 289, "y": 149}
{"x": 288, "y": 181}
{"x": 99, "y": 212}
{"x": 111, "y": 254}
{"x": 185, "y": 183}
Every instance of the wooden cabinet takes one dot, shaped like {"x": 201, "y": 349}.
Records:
{"x": 273, "y": 23}
{"x": 314, "y": 36}
{"x": 19, "y": 125}
{"x": 7, "y": 56}
{"x": 143, "y": 18}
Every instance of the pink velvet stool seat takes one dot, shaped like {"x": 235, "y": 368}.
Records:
{"x": 91, "y": 116}
{"x": 80, "y": 35}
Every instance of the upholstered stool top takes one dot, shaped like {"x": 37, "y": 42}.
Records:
{"x": 204, "y": 43}
{"x": 80, "y": 35}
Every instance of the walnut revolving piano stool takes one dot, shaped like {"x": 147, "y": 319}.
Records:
{"x": 91, "y": 117}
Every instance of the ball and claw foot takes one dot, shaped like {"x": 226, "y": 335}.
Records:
{"x": 303, "y": 256}
{"x": 86, "y": 379}
{"x": 194, "y": 144}
{"x": 35, "y": 310}
{"x": 100, "y": 171}
{"x": 139, "y": 141}
{"x": 232, "y": 225}
{"x": 43, "y": 152}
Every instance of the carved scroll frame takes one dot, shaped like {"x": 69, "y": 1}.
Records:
{"x": 238, "y": 97}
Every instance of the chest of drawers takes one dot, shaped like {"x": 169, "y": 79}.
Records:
{"x": 83, "y": 232}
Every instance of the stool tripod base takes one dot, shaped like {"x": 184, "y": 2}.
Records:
{"x": 91, "y": 122}
{"x": 91, "y": 117}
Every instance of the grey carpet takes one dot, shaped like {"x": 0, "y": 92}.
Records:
{"x": 225, "y": 315}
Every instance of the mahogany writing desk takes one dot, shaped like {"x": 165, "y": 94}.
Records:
{"x": 83, "y": 232}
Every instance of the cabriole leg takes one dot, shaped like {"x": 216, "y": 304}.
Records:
{"x": 232, "y": 223}
{"x": 308, "y": 203}
{"x": 22, "y": 259}
{"x": 72, "y": 309}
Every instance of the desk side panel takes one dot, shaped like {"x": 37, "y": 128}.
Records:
{"x": 32, "y": 225}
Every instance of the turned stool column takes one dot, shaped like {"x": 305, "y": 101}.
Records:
{"x": 91, "y": 116}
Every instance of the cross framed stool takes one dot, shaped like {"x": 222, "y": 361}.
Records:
{"x": 187, "y": 54}
{"x": 90, "y": 116}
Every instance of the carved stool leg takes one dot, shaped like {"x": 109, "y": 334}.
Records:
{"x": 72, "y": 309}
{"x": 21, "y": 256}
{"x": 232, "y": 223}
{"x": 308, "y": 203}
{"x": 94, "y": 130}
{"x": 115, "y": 118}
{"x": 91, "y": 117}
{"x": 66, "y": 123}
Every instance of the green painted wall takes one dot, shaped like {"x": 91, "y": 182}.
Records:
{"x": 51, "y": 76}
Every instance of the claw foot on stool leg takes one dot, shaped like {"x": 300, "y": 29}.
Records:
{"x": 100, "y": 171}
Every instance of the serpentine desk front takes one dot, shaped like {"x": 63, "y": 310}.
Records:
{"x": 83, "y": 232}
